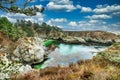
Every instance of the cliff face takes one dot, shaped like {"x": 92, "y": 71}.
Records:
{"x": 93, "y": 34}
{"x": 88, "y": 37}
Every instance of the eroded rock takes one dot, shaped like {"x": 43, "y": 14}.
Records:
{"x": 29, "y": 50}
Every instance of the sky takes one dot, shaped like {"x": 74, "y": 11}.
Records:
{"x": 78, "y": 15}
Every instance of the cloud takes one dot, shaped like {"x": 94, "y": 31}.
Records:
{"x": 56, "y": 21}
{"x": 84, "y": 24}
{"x": 94, "y": 21}
{"x": 78, "y": 6}
{"x": 59, "y": 20}
{"x": 73, "y": 23}
{"x": 79, "y": 24}
{"x": 61, "y": 5}
{"x": 87, "y": 24}
{"x": 86, "y": 9}
{"x": 14, "y": 16}
{"x": 116, "y": 13}
{"x": 97, "y": 22}
{"x": 39, "y": 17}
{"x": 107, "y": 8}
{"x": 39, "y": 6}
{"x": 93, "y": 25}
{"x": 101, "y": 16}
{"x": 114, "y": 27}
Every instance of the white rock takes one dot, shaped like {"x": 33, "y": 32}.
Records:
{"x": 25, "y": 69}
{"x": 30, "y": 50}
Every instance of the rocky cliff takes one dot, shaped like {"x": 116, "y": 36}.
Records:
{"x": 90, "y": 37}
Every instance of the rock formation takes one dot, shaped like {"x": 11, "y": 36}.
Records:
{"x": 29, "y": 50}
{"x": 89, "y": 37}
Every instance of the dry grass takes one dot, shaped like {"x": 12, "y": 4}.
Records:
{"x": 98, "y": 68}
{"x": 84, "y": 70}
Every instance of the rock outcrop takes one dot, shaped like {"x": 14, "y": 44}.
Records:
{"x": 90, "y": 37}
{"x": 112, "y": 53}
{"x": 29, "y": 50}
{"x": 84, "y": 37}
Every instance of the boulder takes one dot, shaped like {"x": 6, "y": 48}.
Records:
{"x": 29, "y": 50}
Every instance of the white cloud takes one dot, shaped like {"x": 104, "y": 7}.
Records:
{"x": 49, "y": 22}
{"x": 39, "y": 6}
{"x": 13, "y": 16}
{"x": 94, "y": 21}
{"x": 116, "y": 13}
{"x": 106, "y": 8}
{"x": 84, "y": 24}
{"x": 73, "y": 23}
{"x": 88, "y": 24}
{"x": 79, "y": 24}
{"x": 93, "y": 25}
{"x": 78, "y": 6}
{"x": 97, "y": 21}
{"x": 86, "y": 9}
{"x": 53, "y": 21}
{"x": 58, "y": 20}
{"x": 61, "y": 5}
{"x": 101, "y": 16}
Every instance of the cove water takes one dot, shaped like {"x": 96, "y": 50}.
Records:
{"x": 67, "y": 53}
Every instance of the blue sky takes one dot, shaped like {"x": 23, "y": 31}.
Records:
{"x": 75, "y": 14}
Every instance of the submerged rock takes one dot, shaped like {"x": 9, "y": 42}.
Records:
{"x": 29, "y": 50}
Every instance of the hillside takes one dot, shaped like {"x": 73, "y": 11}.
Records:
{"x": 90, "y": 37}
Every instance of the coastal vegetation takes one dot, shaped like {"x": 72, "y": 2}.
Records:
{"x": 98, "y": 68}
{"x": 104, "y": 66}
{"x": 26, "y": 45}
{"x": 24, "y": 37}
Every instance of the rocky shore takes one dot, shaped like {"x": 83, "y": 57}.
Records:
{"x": 104, "y": 66}
{"x": 16, "y": 57}
{"x": 86, "y": 37}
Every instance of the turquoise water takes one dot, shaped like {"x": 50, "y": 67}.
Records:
{"x": 66, "y": 53}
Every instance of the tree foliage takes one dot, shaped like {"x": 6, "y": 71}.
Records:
{"x": 28, "y": 26}
{"x": 7, "y": 27}
{"x": 24, "y": 28}
{"x": 11, "y": 6}
{"x": 47, "y": 28}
